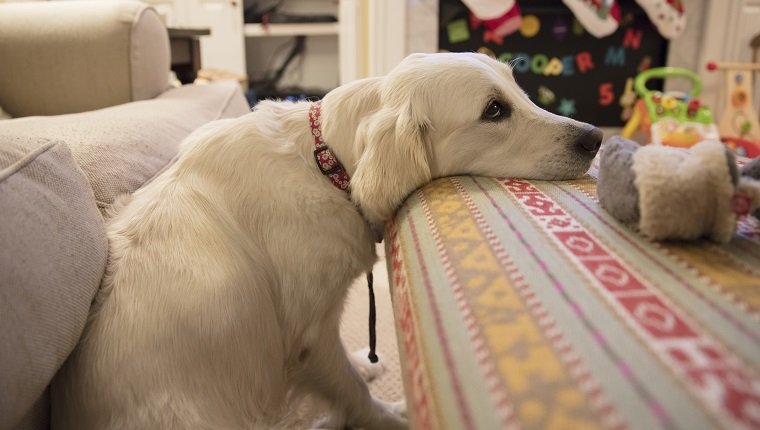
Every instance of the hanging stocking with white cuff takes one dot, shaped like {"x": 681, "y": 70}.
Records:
{"x": 499, "y": 17}
{"x": 489, "y": 9}
{"x": 667, "y": 15}
{"x": 599, "y": 17}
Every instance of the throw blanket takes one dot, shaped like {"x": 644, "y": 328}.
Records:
{"x": 522, "y": 304}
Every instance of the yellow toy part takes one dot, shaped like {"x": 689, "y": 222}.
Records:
{"x": 634, "y": 122}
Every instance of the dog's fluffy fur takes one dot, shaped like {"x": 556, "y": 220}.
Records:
{"x": 227, "y": 274}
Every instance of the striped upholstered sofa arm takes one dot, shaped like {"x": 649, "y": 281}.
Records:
{"x": 523, "y": 304}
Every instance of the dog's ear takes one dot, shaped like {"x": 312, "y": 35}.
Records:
{"x": 393, "y": 161}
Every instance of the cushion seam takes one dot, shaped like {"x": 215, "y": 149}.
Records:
{"x": 226, "y": 102}
{"x": 25, "y": 161}
{"x": 132, "y": 32}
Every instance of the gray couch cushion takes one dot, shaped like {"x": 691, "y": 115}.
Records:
{"x": 38, "y": 416}
{"x": 121, "y": 147}
{"x": 52, "y": 258}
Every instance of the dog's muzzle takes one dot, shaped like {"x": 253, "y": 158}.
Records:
{"x": 589, "y": 141}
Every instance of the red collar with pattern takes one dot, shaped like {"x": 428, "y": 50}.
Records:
{"x": 326, "y": 161}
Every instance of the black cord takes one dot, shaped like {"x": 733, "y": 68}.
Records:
{"x": 372, "y": 337}
{"x": 270, "y": 84}
{"x": 297, "y": 49}
{"x": 255, "y": 10}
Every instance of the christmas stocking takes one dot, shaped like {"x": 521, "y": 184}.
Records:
{"x": 489, "y": 9}
{"x": 667, "y": 15}
{"x": 501, "y": 26}
{"x": 599, "y": 17}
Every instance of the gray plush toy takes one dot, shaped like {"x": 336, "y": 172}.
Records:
{"x": 671, "y": 193}
{"x": 752, "y": 170}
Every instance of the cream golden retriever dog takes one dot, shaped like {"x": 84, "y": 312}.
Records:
{"x": 228, "y": 273}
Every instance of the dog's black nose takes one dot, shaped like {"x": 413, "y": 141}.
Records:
{"x": 590, "y": 141}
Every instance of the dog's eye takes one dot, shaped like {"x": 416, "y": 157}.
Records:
{"x": 495, "y": 111}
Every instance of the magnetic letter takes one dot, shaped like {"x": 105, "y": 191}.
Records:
{"x": 487, "y": 51}
{"x": 505, "y": 57}
{"x": 606, "y": 96}
{"x": 615, "y": 56}
{"x": 632, "y": 38}
{"x": 568, "y": 66}
{"x": 554, "y": 67}
{"x": 522, "y": 62}
{"x": 584, "y": 61}
{"x": 538, "y": 63}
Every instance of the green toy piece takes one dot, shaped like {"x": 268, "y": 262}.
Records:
{"x": 682, "y": 107}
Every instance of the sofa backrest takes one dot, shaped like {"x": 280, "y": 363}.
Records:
{"x": 120, "y": 148}
{"x": 73, "y": 56}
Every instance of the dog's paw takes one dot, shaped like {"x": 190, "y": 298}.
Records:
{"x": 397, "y": 408}
{"x": 326, "y": 422}
{"x": 392, "y": 415}
{"x": 367, "y": 369}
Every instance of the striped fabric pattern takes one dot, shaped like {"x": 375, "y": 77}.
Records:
{"x": 523, "y": 304}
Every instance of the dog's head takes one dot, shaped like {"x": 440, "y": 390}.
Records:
{"x": 459, "y": 114}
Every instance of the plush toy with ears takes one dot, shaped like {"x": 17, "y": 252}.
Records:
{"x": 671, "y": 193}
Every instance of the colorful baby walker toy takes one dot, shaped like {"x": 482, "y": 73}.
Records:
{"x": 671, "y": 118}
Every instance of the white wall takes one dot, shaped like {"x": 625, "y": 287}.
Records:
{"x": 729, "y": 27}
{"x": 223, "y": 49}
{"x": 422, "y": 26}
{"x": 685, "y": 50}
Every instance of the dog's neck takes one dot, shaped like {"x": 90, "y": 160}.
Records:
{"x": 330, "y": 164}
{"x": 342, "y": 112}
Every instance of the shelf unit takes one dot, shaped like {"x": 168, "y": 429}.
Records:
{"x": 301, "y": 29}
{"x": 320, "y": 66}
{"x": 367, "y": 40}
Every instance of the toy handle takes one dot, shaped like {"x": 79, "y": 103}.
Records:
{"x": 667, "y": 72}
